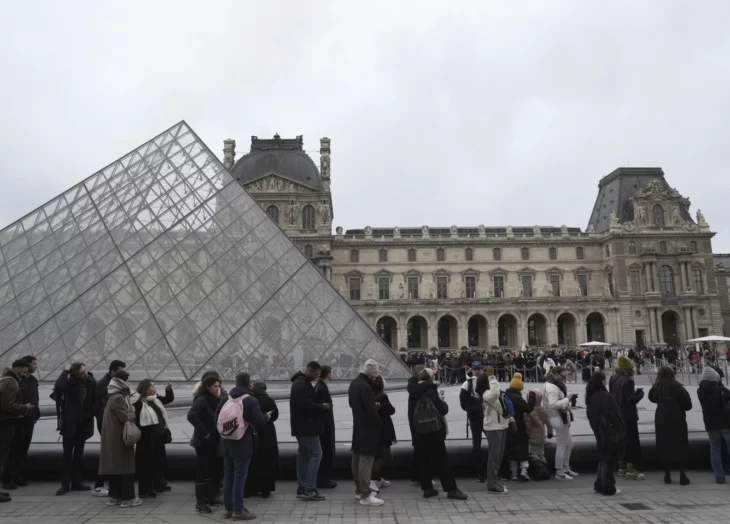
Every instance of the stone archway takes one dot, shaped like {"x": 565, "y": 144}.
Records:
{"x": 670, "y": 328}
{"x": 477, "y": 332}
{"x": 595, "y": 328}
{"x": 566, "y": 330}
{"x": 387, "y": 329}
{"x": 537, "y": 330}
{"x": 447, "y": 330}
{"x": 507, "y": 331}
{"x": 417, "y": 333}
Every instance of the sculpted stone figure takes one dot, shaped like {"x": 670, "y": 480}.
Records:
{"x": 536, "y": 231}
{"x": 590, "y": 229}
{"x": 564, "y": 229}
{"x": 292, "y": 211}
{"x": 640, "y": 215}
{"x": 510, "y": 231}
{"x": 424, "y": 231}
{"x": 324, "y": 212}
{"x": 368, "y": 231}
{"x": 701, "y": 218}
{"x": 339, "y": 230}
{"x": 396, "y": 231}
{"x": 614, "y": 220}
{"x": 676, "y": 217}
{"x": 454, "y": 230}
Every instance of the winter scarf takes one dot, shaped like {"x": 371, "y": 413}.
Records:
{"x": 147, "y": 415}
{"x": 119, "y": 386}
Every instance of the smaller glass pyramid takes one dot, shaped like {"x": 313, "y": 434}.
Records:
{"x": 163, "y": 261}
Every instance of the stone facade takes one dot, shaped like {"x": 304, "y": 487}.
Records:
{"x": 642, "y": 272}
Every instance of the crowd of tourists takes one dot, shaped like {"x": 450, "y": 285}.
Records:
{"x": 235, "y": 438}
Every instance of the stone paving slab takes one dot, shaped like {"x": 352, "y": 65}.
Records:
{"x": 535, "y": 502}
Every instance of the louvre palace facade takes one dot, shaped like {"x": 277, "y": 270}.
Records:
{"x": 641, "y": 273}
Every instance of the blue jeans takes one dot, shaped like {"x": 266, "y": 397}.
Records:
{"x": 308, "y": 459}
{"x": 234, "y": 481}
{"x": 716, "y": 438}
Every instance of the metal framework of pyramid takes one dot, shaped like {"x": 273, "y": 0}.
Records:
{"x": 163, "y": 261}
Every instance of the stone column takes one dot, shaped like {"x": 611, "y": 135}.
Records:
{"x": 522, "y": 334}
{"x": 580, "y": 330}
{"x": 552, "y": 331}
{"x": 462, "y": 333}
{"x": 647, "y": 274}
{"x": 433, "y": 336}
{"x": 402, "y": 336}
{"x": 492, "y": 331}
{"x": 650, "y": 339}
{"x": 682, "y": 279}
{"x": 658, "y": 324}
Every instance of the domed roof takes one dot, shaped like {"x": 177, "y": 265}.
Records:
{"x": 280, "y": 156}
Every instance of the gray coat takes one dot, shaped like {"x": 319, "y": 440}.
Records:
{"x": 115, "y": 457}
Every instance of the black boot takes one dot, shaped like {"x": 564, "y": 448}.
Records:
{"x": 201, "y": 505}
{"x": 212, "y": 493}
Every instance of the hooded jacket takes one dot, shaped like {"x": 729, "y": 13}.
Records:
{"x": 417, "y": 390}
{"x": 304, "y": 410}
{"x": 493, "y": 418}
{"x": 244, "y": 448}
{"x": 469, "y": 399}
{"x": 714, "y": 397}
{"x": 11, "y": 403}
{"x": 537, "y": 421}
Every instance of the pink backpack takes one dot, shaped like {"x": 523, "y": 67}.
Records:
{"x": 231, "y": 424}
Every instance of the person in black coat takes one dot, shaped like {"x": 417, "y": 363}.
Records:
{"x": 517, "y": 447}
{"x": 432, "y": 446}
{"x": 715, "y": 401}
{"x": 627, "y": 396}
{"x": 205, "y": 441}
{"x": 326, "y": 472}
{"x": 150, "y": 456}
{"x": 99, "y": 403}
{"x": 13, "y": 472}
{"x": 601, "y": 406}
{"x": 264, "y": 466}
{"x": 74, "y": 393}
{"x": 387, "y": 432}
{"x": 366, "y": 426}
{"x": 670, "y": 422}
{"x": 470, "y": 402}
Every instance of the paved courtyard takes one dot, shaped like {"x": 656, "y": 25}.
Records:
{"x": 551, "y": 501}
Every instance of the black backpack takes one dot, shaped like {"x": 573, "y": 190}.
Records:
{"x": 613, "y": 430}
{"x": 426, "y": 418}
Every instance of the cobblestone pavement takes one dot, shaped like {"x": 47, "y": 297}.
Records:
{"x": 544, "y": 502}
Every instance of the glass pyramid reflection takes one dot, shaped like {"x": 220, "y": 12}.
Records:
{"x": 163, "y": 261}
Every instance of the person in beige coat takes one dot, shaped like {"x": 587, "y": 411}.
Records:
{"x": 116, "y": 459}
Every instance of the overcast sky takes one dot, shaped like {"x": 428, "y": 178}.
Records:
{"x": 440, "y": 113}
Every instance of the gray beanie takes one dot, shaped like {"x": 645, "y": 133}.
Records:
{"x": 371, "y": 368}
{"x": 710, "y": 374}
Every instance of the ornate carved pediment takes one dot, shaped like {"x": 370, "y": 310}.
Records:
{"x": 413, "y": 273}
{"x": 354, "y": 274}
{"x": 655, "y": 190}
{"x": 384, "y": 273}
{"x": 526, "y": 271}
{"x": 470, "y": 273}
{"x": 441, "y": 273}
{"x": 555, "y": 271}
{"x": 669, "y": 203}
{"x": 274, "y": 183}
{"x": 582, "y": 270}
{"x": 499, "y": 272}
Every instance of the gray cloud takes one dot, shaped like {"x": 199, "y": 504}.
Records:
{"x": 467, "y": 113}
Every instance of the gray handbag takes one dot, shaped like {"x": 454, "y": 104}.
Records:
{"x": 132, "y": 434}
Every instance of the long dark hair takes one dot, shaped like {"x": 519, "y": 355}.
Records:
{"x": 666, "y": 383}
{"x": 596, "y": 383}
{"x": 482, "y": 384}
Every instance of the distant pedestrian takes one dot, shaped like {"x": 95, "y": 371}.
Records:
{"x": 14, "y": 471}
{"x": 538, "y": 424}
{"x": 150, "y": 453}
{"x": 116, "y": 458}
{"x": 471, "y": 402}
{"x": 74, "y": 393}
{"x": 556, "y": 401}
{"x": 517, "y": 445}
{"x": 496, "y": 422}
{"x": 12, "y": 409}
{"x": 306, "y": 424}
{"x": 670, "y": 423}
{"x": 428, "y": 422}
{"x": 205, "y": 442}
{"x": 715, "y": 401}
{"x": 115, "y": 367}
{"x": 326, "y": 472}
{"x": 386, "y": 410}
{"x": 238, "y": 410}
{"x": 627, "y": 396}
{"x": 609, "y": 430}
{"x": 366, "y": 425}
{"x": 264, "y": 468}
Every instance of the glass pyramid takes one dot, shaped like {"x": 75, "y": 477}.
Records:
{"x": 163, "y": 261}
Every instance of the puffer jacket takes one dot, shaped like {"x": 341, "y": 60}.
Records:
{"x": 493, "y": 418}
{"x": 537, "y": 421}
{"x": 554, "y": 400}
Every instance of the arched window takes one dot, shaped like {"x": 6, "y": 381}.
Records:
{"x": 497, "y": 253}
{"x": 525, "y": 253}
{"x": 383, "y": 255}
{"x": 663, "y": 247}
{"x": 666, "y": 281}
{"x": 308, "y": 217}
{"x": 354, "y": 256}
{"x": 693, "y": 246}
{"x": 579, "y": 255}
{"x": 308, "y": 251}
{"x": 632, "y": 248}
{"x": 411, "y": 255}
{"x": 657, "y": 213}
{"x": 468, "y": 254}
{"x": 440, "y": 254}
{"x": 553, "y": 253}
{"x": 273, "y": 212}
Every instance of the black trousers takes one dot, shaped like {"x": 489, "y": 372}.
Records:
{"x": 477, "y": 432}
{"x": 7, "y": 433}
{"x": 15, "y": 465}
{"x": 435, "y": 463}
{"x": 121, "y": 487}
{"x": 73, "y": 460}
{"x": 416, "y": 461}
{"x": 605, "y": 480}
{"x": 149, "y": 461}
{"x": 100, "y": 479}
{"x": 207, "y": 463}
{"x": 327, "y": 464}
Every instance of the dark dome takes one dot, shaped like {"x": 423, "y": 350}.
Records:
{"x": 285, "y": 157}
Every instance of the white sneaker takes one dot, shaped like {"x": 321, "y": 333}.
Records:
{"x": 570, "y": 472}
{"x": 99, "y": 492}
{"x": 357, "y": 497}
{"x": 131, "y": 503}
{"x": 374, "y": 487}
{"x": 564, "y": 476}
{"x": 371, "y": 500}
{"x": 383, "y": 483}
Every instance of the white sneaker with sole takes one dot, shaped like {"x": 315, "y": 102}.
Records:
{"x": 570, "y": 472}
{"x": 131, "y": 503}
{"x": 371, "y": 500}
{"x": 374, "y": 487}
{"x": 382, "y": 483}
{"x": 99, "y": 492}
{"x": 564, "y": 476}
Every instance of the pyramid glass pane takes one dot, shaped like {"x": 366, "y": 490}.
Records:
{"x": 163, "y": 261}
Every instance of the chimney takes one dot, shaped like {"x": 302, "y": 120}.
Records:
{"x": 229, "y": 153}
{"x": 324, "y": 162}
